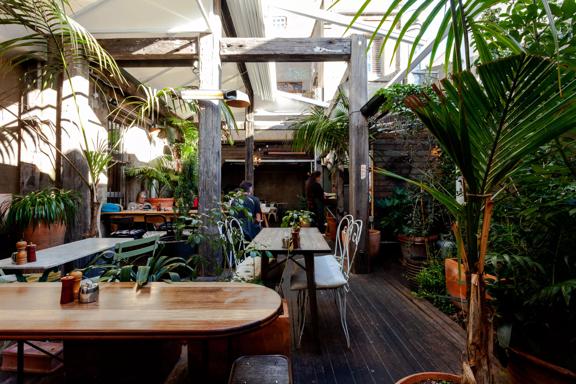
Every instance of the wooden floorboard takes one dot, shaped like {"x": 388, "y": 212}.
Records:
{"x": 393, "y": 334}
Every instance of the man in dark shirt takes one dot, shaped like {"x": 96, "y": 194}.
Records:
{"x": 251, "y": 225}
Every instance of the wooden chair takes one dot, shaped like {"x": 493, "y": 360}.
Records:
{"x": 331, "y": 272}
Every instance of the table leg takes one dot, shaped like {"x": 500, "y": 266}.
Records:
{"x": 309, "y": 260}
{"x": 20, "y": 362}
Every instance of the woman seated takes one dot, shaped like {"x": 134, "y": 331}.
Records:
{"x": 140, "y": 202}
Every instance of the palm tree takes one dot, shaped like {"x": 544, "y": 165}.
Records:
{"x": 487, "y": 125}
{"x": 56, "y": 40}
{"x": 316, "y": 132}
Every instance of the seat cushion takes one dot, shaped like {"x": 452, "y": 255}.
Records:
{"x": 327, "y": 274}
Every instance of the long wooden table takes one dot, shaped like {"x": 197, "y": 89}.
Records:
{"x": 32, "y": 311}
{"x": 61, "y": 255}
{"x": 139, "y": 215}
{"x": 311, "y": 242}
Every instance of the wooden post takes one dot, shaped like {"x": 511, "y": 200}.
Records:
{"x": 358, "y": 146}
{"x": 209, "y": 142}
{"x": 249, "y": 142}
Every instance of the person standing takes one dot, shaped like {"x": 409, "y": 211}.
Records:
{"x": 315, "y": 199}
{"x": 250, "y": 225}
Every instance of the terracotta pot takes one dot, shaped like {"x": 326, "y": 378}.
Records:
{"x": 455, "y": 279}
{"x": 527, "y": 369}
{"x": 456, "y": 285}
{"x": 373, "y": 243}
{"x": 412, "y": 267}
{"x": 332, "y": 227}
{"x": 422, "y": 376}
{"x": 45, "y": 236}
{"x": 416, "y": 246}
{"x": 164, "y": 202}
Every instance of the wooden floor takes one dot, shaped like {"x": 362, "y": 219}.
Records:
{"x": 393, "y": 334}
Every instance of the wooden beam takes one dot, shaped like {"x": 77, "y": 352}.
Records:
{"x": 285, "y": 49}
{"x": 162, "y": 52}
{"x": 228, "y": 26}
{"x": 358, "y": 146}
{"x": 249, "y": 143}
{"x": 209, "y": 137}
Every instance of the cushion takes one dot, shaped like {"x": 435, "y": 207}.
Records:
{"x": 110, "y": 207}
{"x": 129, "y": 233}
{"x": 327, "y": 274}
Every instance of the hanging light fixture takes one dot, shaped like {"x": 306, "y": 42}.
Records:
{"x": 234, "y": 98}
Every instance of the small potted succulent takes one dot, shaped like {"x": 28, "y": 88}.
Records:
{"x": 41, "y": 216}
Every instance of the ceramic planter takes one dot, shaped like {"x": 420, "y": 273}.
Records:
{"x": 416, "y": 247}
{"x": 527, "y": 369}
{"x": 423, "y": 376}
{"x": 163, "y": 202}
{"x": 45, "y": 236}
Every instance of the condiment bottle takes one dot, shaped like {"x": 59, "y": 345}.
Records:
{"x": 31, "y": 252}
{"x": 77, "y": 279}
{"x": 67, "y": 292}
{"x": 21, "y": 256}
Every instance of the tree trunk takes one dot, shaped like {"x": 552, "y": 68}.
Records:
{"x": 479, "y": 333}
{"x": 94, "y": 207}
{"x": 340, "y": 190}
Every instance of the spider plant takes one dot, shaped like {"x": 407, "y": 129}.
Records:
{"x": 48, "y": 206}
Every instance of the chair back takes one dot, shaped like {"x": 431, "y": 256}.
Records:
{"x": 136, "y": 248}
{"x": 340, "y": 249}
{"x": 347, "y": 240}
{"x": 235, "y": 240}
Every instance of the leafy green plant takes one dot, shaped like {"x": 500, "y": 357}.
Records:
{"x": 48, "y": 206}
{"x": 294, "y": 219}
{"x": 393, "y": 210}
{"x": 155, "y": 268}
{"x": 160, "y": 176}
{"x": 397, "y": 93}
{"x": 431, "y": 284}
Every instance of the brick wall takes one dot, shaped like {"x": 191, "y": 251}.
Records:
{"x": 405, "y": 147}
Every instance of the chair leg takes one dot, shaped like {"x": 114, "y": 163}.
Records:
{"x": 302, "y": 302}
{"x": 341, "y": 293}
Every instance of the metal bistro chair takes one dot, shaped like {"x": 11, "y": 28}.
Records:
{"x": 232, "y": 236}
{"x": 331, "y": 272}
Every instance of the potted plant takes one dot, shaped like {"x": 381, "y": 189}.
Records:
{"x": 41, "y": 216}
{"x": 296, "y": 219}
{"x": 160, "y": 178}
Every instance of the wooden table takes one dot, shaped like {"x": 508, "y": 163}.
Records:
{"x": 32, "y": 311}
{"x": 139, "y": 215}
{"x": 311, "y": 242}
{"x": 61, "y": 255}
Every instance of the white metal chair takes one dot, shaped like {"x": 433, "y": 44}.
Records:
{"x": 273, "y": 212}
{"x": 331, "y": 272}
{"x": 232, "y": 237}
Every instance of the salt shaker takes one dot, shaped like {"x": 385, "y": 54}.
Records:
{"x": 88, "y": 292}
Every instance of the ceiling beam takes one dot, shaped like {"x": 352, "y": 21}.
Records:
{"x": 164, "y": 52}
{"x": 338, "y": 19}
{"x": 230, "y": 31}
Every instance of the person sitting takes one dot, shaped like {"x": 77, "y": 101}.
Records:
{"x": 250, "y": 225}
{"x": 140, "y": 202}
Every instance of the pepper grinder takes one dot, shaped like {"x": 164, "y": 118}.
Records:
{"x": 67, "y": 292}
{"x": 21, "y": 255}
{"x": 77, "y": 279}
{"x": 31, "y": 251}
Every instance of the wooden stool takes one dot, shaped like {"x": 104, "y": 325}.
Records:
{"x": 261, "y": 369}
